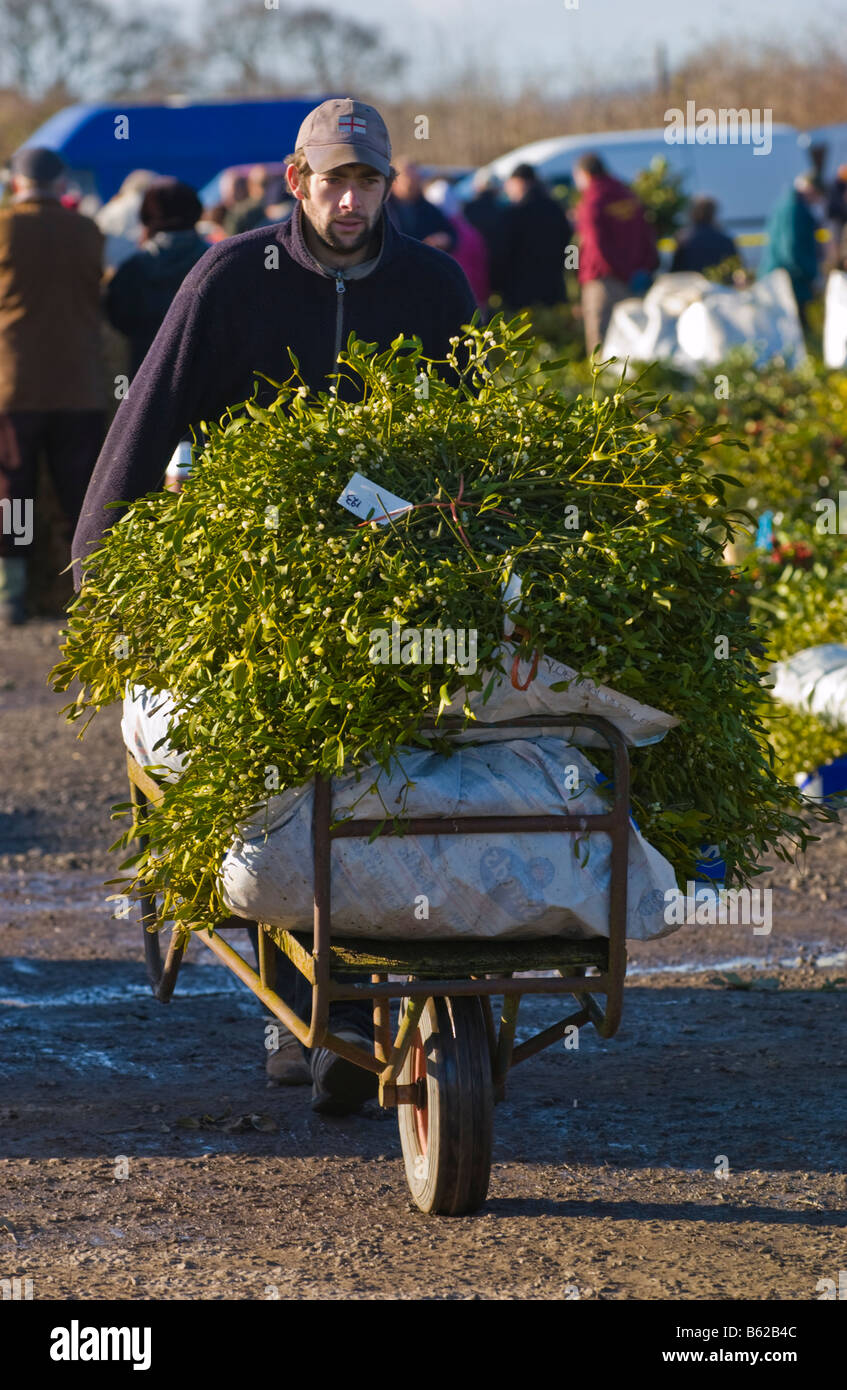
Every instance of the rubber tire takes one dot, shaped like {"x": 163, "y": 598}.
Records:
{"x": 449, "y": 1176}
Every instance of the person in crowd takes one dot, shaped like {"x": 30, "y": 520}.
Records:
{"x": 233, "y": 188}
{"x": 251, "y": 210}
{"x": 836, "y": 213}
{"x": 529, "y": 261}
{"x": 211, "y": 225}
{"x": 140, "y": 293}
{"x": 119, "y": 220}
{"x": 414, "y": 214}
{"x": 792, "y": 238}
{"x": 486, "y": 211}
{"x": 701, "y": 244}
{"x": 52, "y": 389}
{"x": 617, "y": 246}
{"x": 279, "y": 204}
{"x": 341, "y": 267}
{"x": 470, "y": 249}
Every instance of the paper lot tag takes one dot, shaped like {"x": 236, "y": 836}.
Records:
{"x": 370, "y": 502}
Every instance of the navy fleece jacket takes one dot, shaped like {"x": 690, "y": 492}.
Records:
{"x": 236, "y": 316}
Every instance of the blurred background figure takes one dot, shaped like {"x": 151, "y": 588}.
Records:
{"x": 119, "y": 219}
{"x": 529, "y": 263}
{"x": 470, "y": 249}
{"x": 251, "y": 210}
{"x": 140, "y": 292}
{"x": 486, "y": 211}
{"x": 836, "y": 212}
{"x": 617, "y": 246}
{"x": 792, "y": 241}
{"x": 211, "y": 225}
{"x": 52, "y": 394}
{"x": 413, "y": 213}
{"x": 233, "y": 188}
{"x": 279, "y": 203}
{"x": 701, "y": 244}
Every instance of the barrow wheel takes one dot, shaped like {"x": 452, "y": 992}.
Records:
{"x": 446, "y": 1138}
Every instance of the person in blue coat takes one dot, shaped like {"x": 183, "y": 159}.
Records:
{"x": 792, "y": 243}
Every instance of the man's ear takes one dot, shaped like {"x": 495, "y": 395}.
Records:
{"x": 295, "y": 183}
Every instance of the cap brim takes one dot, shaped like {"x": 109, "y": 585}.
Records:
{"x": 322, "y": 158}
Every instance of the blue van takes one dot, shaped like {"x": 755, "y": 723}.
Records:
{"x": 191, "y": 141}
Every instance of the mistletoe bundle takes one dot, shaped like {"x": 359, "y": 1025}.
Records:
{"x": 254, "y": 596}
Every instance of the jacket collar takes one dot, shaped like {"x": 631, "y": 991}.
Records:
{"x": 290, "y": 236}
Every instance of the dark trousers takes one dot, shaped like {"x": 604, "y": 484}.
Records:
{"x": 295, "y": 990}
{"x": 70, "y": 441}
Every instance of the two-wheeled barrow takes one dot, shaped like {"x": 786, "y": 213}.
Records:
{"x": 446, "y": 1065}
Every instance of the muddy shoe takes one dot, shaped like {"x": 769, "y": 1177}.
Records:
{"x": 340, "y": 1087}
{"x": 287, "y": 1066}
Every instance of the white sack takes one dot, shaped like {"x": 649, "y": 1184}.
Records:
{"x": 484, "y": 886}
{"x": 690, "y": 322}
{"x": 764, "y": 317}
{"x": 645, "y": 330}
{"x": 835, "y": 320}
{"x": 814, "y": 680}
{"x": 145, "y": 720}
{"x": 639, "y": 724}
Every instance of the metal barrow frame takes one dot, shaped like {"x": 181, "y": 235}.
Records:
{"x": 431, "y": 969}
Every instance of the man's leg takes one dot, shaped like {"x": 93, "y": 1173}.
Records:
{"x": 73, "y": 439}
{"x": 338, "y": 1087}
{"x": 295, "y": 990}
{"x": 20, "y": 439}
{"x": 599, "y": 298}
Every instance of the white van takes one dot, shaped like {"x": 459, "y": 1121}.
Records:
{"x": 746, "y": 184}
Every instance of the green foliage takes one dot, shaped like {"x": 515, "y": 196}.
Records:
{"x": 661, "y": 193}
{"x": 252, "y": 596}
{"x": 730, "y": 271}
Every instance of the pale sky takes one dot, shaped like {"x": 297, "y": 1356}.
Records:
{"x": 598, "y": 41}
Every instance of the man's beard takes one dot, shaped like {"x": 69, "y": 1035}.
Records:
{"x": 328, "y": 238}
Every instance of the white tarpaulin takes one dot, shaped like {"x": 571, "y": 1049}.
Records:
{"x": 690, "y": 322}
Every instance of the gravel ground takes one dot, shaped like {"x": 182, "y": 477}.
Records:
{"x": 697, "y": 1155}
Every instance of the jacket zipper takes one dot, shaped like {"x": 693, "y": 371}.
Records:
{"x": 339, "y": 316}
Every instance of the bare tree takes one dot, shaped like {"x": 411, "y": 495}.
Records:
{"x": 342, "y": 52}
{"x": 250, "y": 49}
{"x": 84, "y": 49}
{"x": 242, "y": 49}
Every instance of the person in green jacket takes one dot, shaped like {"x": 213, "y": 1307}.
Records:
{"x": 792, "y": 244}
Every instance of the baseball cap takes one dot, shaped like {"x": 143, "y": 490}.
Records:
{"x": 37, "y": 163}
{"x": 344, "y": 131}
